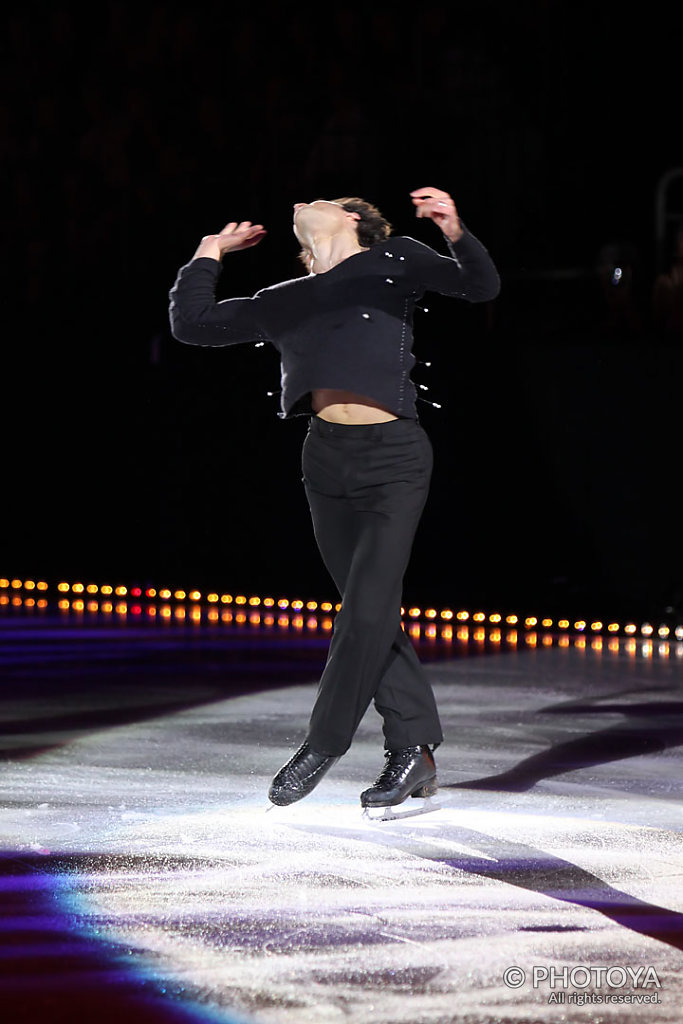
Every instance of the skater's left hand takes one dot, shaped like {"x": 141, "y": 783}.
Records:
{"x": 439, "y": 207}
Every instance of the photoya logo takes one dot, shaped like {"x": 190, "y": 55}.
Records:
{"x": 583, "y": 977}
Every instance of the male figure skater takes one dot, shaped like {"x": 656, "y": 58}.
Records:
{"x": 344, "y": 334}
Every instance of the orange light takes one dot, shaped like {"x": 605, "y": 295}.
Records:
{"x": 596, "y": 626}
{"x": 630, "y": 628}
{"x": 547, "y": 623}
{"x": 121, "y": 591}
{"x": 462, "y": 616}
{"x": 297, "y": 605}
{"x": 4, "y": 583}
{"x": 447, "y": 614}
{"x": 479, "y": 617}
{"x": 16, "y": 584}
{"x": 613, "y": 627}
{"x": 62, "y": 587}
{"x": 268, "y": 602}
{"x": 42, "y": 585}
{"x": 195, "y": 595}
{"x": 495, "y": 617}
{"x": 580, "y": 625}
{"x": 283, "y": 603}
{"x": 212, "y": 598}
{"x": 530, "y": 622}
{"x": 511, "y": 620}
{"x": 254, "y": 602}
{"x": 91, "y": 588}
{"x": 78, "y": 588}
{"x": 414, "y": 613}
{"x": 29, "y": 585}
{"x": 326, "y": 606}
{"x": 226, "y": 598}
{"x": 430, "y": 613}
{"x": 311, "y": 606}
{"x": 240, "y": 599}
{"x": 446, "y": 632}
{"x": 106, "y": 589}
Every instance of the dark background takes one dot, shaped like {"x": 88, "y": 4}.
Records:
{"x": 132, "y": 130}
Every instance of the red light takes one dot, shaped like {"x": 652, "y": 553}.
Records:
{"x": 136, "y": 592}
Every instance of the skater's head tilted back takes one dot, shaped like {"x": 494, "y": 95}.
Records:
{"x": 353, "y": 223}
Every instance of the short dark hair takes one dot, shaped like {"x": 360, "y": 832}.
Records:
{"x": 372, "y": 226}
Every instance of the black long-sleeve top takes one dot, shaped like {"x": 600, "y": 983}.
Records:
{"x": 348, "y": 329}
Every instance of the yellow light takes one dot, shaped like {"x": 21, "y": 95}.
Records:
{"x": 631, "y": 647}
{"x": 179, "y": 595}
{"x": 195, "y": 595}
{"x": 447, "y": 614}
{"x": 311, "y": 606}
{"x": 596, "y": 644}
{"x": 663, "y": 650}
{"x": 511, "y": 620}
{"x": 165, "y": 611}
{"x": 91, "y": 588}
{"x": 268, "y": 602}
{"x": 479, "y": 617}
{"x": 179, "y": 612}
{"x": 212, "y": 598}
{"x": 646, "y": 629}
{"x": 16, "y": 584}
{"x": 78, "y": 606}
{"x": 337, "y": 606}
{"x": 480, "y": 635}
{"x": 121, "y": 608}
{"x": 78, "y": 588}
{"x": 580, "y": 642}
{"x": 547, "y": 623}
{"x": 495, "y": 617}
{"x": 530, "y": 621}
{"x": 563, "y": 623}
{"x": 613, "y": 646}
{"x": 42, "y": 585}
{"x": 240, "y": 599}
{"x": 268, "y": 620}
{"x": 283, "y": 603}
{"x": 663, "y": 631}
{"x": 106, "y": 607}
{"x": 430, "y": 632}
{"x": 29, "y": 585}
{"x": 62, "y": 587}
{"x": 531, "y": 639}
{"x": 463, "y": 633}
{"x": 511, "y": 636}
{"x": 196, "y": 614}
{"x": 254, "y": 602}
{"x": 630, "y": 628}
{"x": 446, "y": 632}
{"x": 414, "y": 613}
{"x": 226, "y": 598}
{"x": 495, "y": 636}
{"x": 150, "y": 592}
{"x": 580, "y": 625}
{"x": 430, "y": 613}
{"x": 547, "y": 641}
{"x": 283, "y": 620}
{"x": 326, "y": 606}
{"x": 414, "y": 630}
{"x": 327, "y": 625}
{"x": 297, "y": 605}
{"x": 63, "y": 605}
{"x": 563, "y": 641}
{"x": 613, "y": 627}
{"x": 4, "y": 583}
{"x": 213, "y": 615}
{"x": 462, "y": 616}
{"x": 121, "y": 591}
{"x": 298, "y": 622}
{"x": 163, "y": 594}
{"x": 240, "y": 618}
{"x": 596, "y": 626}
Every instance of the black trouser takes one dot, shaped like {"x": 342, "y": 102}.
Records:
{"x": 366, "y": 486}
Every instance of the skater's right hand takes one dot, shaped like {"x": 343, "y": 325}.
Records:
{"x": 233, "y": 237}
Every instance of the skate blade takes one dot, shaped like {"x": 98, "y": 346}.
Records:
{"x": 428, "y": 805}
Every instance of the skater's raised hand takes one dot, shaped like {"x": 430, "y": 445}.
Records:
{"x": 232, "y": 238}
{"x": 439, "y": 207}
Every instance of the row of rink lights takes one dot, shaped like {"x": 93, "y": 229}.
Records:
{"x": 443, "y": 624}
